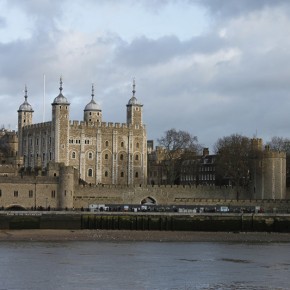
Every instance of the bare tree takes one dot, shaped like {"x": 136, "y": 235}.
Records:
{"x": 280, "y": 144}
{"x": 178, "y": 146}
{"x": 233, "y": 159}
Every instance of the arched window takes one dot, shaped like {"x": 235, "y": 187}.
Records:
{"x": 137, "y": 145}
{"x": 136, "y": 174}
{"x": 106, "y": 174}
{"x": 122, "y": 144}
{"x": 121, "y": 157}
{"x": 107, "y": 143}
{"x": 90, "y": 172}
{"x": 90, "y": 155}
{"x": 137, "y": 157}
{"x": 106, "y": 156}
{"x": 122, "y": 174}
{"x": 73, "y": 155}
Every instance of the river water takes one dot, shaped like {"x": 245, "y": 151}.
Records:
{"x": 144, "y": 265}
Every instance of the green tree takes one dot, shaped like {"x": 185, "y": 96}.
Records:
{"x": 178, "y": 146}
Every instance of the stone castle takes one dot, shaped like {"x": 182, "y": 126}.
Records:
{"x": 103, "y": 153}
{"x": 75, "y": 164}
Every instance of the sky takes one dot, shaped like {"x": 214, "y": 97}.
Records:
{"x": 211, "y": 68}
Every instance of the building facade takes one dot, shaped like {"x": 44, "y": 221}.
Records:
{"x": 103, "y": 153}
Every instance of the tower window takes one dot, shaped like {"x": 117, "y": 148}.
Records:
{"x": 90, "y": 172}
{"x": 106, "y": 156}
{"x": 90, "y": 155}
{"x": 121, "y": 157}
{"x": 107, "y": 143}
{"x": 137, "y": 157}
{"x": 137, "y": 145}
{"x": 122, "y": 174}
{"x": 106, "y": 174}
{"x": 122, "y": 144}
{"x": 136, "y": 174}
{"x": 73, "y": 155}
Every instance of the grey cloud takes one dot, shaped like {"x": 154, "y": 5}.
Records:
{"x": 144, "y": 51}
{"x": 232, "y": 8}
{"x": 2, "y": 22}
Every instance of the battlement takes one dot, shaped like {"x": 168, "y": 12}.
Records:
{"x": 257, "y": 144}
{"x": 38, "y": 125}
{"x": 268, "y": 153}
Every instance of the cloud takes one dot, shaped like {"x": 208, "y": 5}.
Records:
{"x": 233, "y": 8}
{"x": 233, "y": 77}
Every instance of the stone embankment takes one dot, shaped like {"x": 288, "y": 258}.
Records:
{"x": 215, "y": 222}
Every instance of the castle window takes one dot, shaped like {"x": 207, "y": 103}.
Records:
{"x": 121, "y": 157}
{"x": 0, "y": 192}
{"x": 90, "y": 113}
{"x": 137, "y": 157}
{"x": 106, "y": 174}
{"x": 15, "y": 193}
{"x": 37, "y": 141}
{"x": 107, "y": 143}
{"x": 30, "y": 193}
{"x": 43, "y": 156}
{"x": 90, "y": 120}
{"x": 50, "y": 155}
{"x": 73, "y": 155}
{"x": 136, "y": 174}
{"x": 53, "y": 193}
{"x": 122, "y": 144}
{"x": 98, "y": 114}
{"x": 106, "y": 156}
{"x": 137, "y": 145}
{"x": 90, "y": 155}
{"x": 122, "y": 174}
{"x": 65, "y": 193}
{"x": 90, "y": 172}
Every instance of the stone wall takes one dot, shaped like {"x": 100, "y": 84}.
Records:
{"x": 28, "y": 192}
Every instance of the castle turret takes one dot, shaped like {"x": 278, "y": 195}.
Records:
{"x": 92, "y": 111}
{"x": 25, "y": 113}
{"x": 66, "y": 184}
{"x": 268, "y": 172}
{"x": 60, "y": 127}
{"x": 134, "y": 110}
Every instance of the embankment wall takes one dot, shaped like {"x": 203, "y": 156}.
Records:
{"x": 135, "y": 221}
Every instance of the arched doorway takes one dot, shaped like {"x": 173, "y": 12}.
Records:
{"x": 15, "y": 207}
{"x": 148, "y": 201}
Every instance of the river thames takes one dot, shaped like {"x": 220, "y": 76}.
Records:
{"x": 144, "y": 265}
